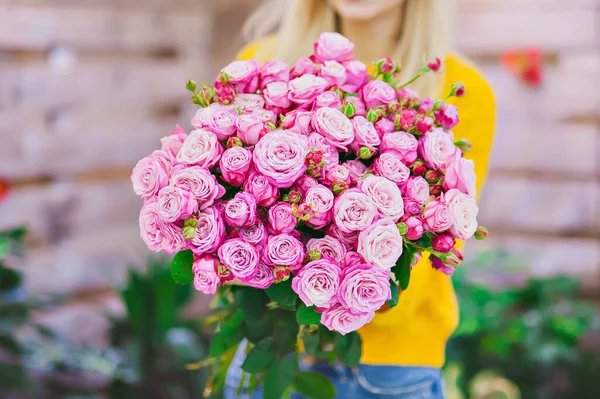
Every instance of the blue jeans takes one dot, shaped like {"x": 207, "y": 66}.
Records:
{"x": 364, "y": 382}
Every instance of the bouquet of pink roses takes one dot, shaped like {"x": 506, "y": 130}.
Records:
{"x": 317, "y": 187}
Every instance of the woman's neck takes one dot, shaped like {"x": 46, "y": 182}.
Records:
{"x": 375, "y": 38}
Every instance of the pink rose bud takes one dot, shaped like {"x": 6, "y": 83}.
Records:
{"x": 339, "y": 187}
{"x": 348, "y": 108}
{"x": 432, "y": 176}
{"x": 313, "y": 255}
{"x": 304, "y": 211}
{"x": 415, "y": 228}
{"x": 281, "y": 273}
{"x": 458, "y": 89}
{"x": 436, "y": 190}
{"x": 453, "y": 258}
{"x": 424, "y": 124}
{"x": 436, "y": 65}
{"x": 224, "y": 77}
{"x": 426, "y": 106}
{"x": 206, "y": 96}
{"x": 443, "y": 243}
{"x": 407, "y": 95}
{"x": 189, "y": 232}
{"x": 365, "y": 153}
{"x": 360, "y": 106}
{"x": 463, "y": 144}
{"x": 405, "y": 120}
{"x": 419, "y": 168}
{"x": 394, "y": 107}
{"x": 439, "y": 265}
{"x": 481, "y": 233}
{"x": 447, "y": 116}
{"x": 225, "y": 94}
{"x": 295, "y": 197}
{"x": 234, "y": 142}
{"x": 314, "y": 157}
{"x": 190, "y": 85}
{"x": 224, "y": 273}
{"x": 412, "y": 207}
{"x": 385, "y": 65}
{"x": 402, "y": 228}
{"x": 374, "y": 115}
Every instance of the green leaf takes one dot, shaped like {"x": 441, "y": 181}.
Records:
{"x": 221, "y": 344}
{"x": 9, "y": 344}
{"x": 402, "y": 268}
{"x": 307, "y": 315}
{"x": 350, "y": 349}
{"x": 314, "y": 385}
{"x": 395, "y": 295}
{"x": 9, "y": 279}
{"x": 279, "y": 377}
{"x": 181, "y": 267}
{"x": 260, "y": 356}
{"x": 252, "y": 302}
{"x": 283, "y": 294}
{"x": 231, "y": 326}
{"x": 311, "y": 342}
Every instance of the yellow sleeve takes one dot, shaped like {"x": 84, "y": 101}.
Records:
{"x": 477, "y": 114}
{"x": 248, "y": 52}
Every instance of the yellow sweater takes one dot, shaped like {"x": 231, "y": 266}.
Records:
{"x": 415, "y": 332}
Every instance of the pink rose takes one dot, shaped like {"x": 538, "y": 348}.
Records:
{"x": 202, "y": 117}
{"x": 334, "y": 73}
{"x": 361, "y": 109}
{"x": 330, "y": 154}
{"x": 356, "y": 168}
{"x": 463, "y": 212}
{"x": 320, "y": 199}
{"x": 317, "y": 283}
{"x": 337, "y": 173}
{"x": 280, "y": 156}
{"x": 348, "y": 239}
{"x": 365, "y": 134}
{"x": 274, "y": 71}
{"x": 426, "y": 105}
{"x": 390, "y": 166}
{"x": 460, "y": 174}
{"x": 357, "y": 76}
{"x": 447, "y": 116}
{"x": 175, "y": 203}
{"x": 298, "y": 121}
{"x": 173, "y": 141}
{"x": 437, "y": 216}
{"x": 303, "y": 66}
{"x": 235, "y": 164}
{"x": 151, "y": 174}
{"x": 243, "y": 75}
{"x": 403, "y": 143}
{"x": 304, "y": 183}
{"x": 385, "y": 126}
{"x": 281, "y": 218}
{"x": 206, "y": 278}
{"x": 417, "y": 189}
{"x": 415, "y": 228}
{"x": 201, "y": 148}
{"x": 276, "y": 95}
{"x": 158, "y": 234}
{"x": 304, "y": 89}
{"x": 381, "y": 244}
{"x": 250, "y": 128}
{"x": 283, "y": 250}
{"x": 412, "y": 207}
{"x": 376, "y": 93}
{"x": 265, "y": 115}
{"x": 407, "y": 94}
{"x": 334, "y": 126}
{"x": 364, "y": 288}
{"x": 386, "y": 196}
{"x": 263, "y": 279}
{"x": 333, "y": 46}
{"x": 255, "y": 234}
{"x": 210, "y": 232}
{"x": 439, "y": 265}
{"x": 443, "y": 243}
{"x": 241, "y": 210}
{"x": 199, "y": 181}
{"x": 222, "y": 123}
{"x": 328, "y": 247}
{"x": 248, "y": 102}
{"x": 342, "y": 320}
{"x": 260, "y": 187}
{"x": 240, "y": 257}
{"x": 407, "y": 118}
{"x": 353, "y": 211}
{"x": 328, "y": 99}
{"x": 353, "y": 258}
{"x": 436, "y": 148}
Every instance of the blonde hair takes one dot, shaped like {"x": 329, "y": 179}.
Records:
{"x": 425, "y": 34}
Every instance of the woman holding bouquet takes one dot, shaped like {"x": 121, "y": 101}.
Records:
{"x": 403, "y": 347}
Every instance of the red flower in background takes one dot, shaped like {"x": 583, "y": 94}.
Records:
{"x": 4, "y": 189}
{"x": 525, "y": 65}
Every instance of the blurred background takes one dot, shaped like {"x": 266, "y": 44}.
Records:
{"x": 87, "y": 88}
